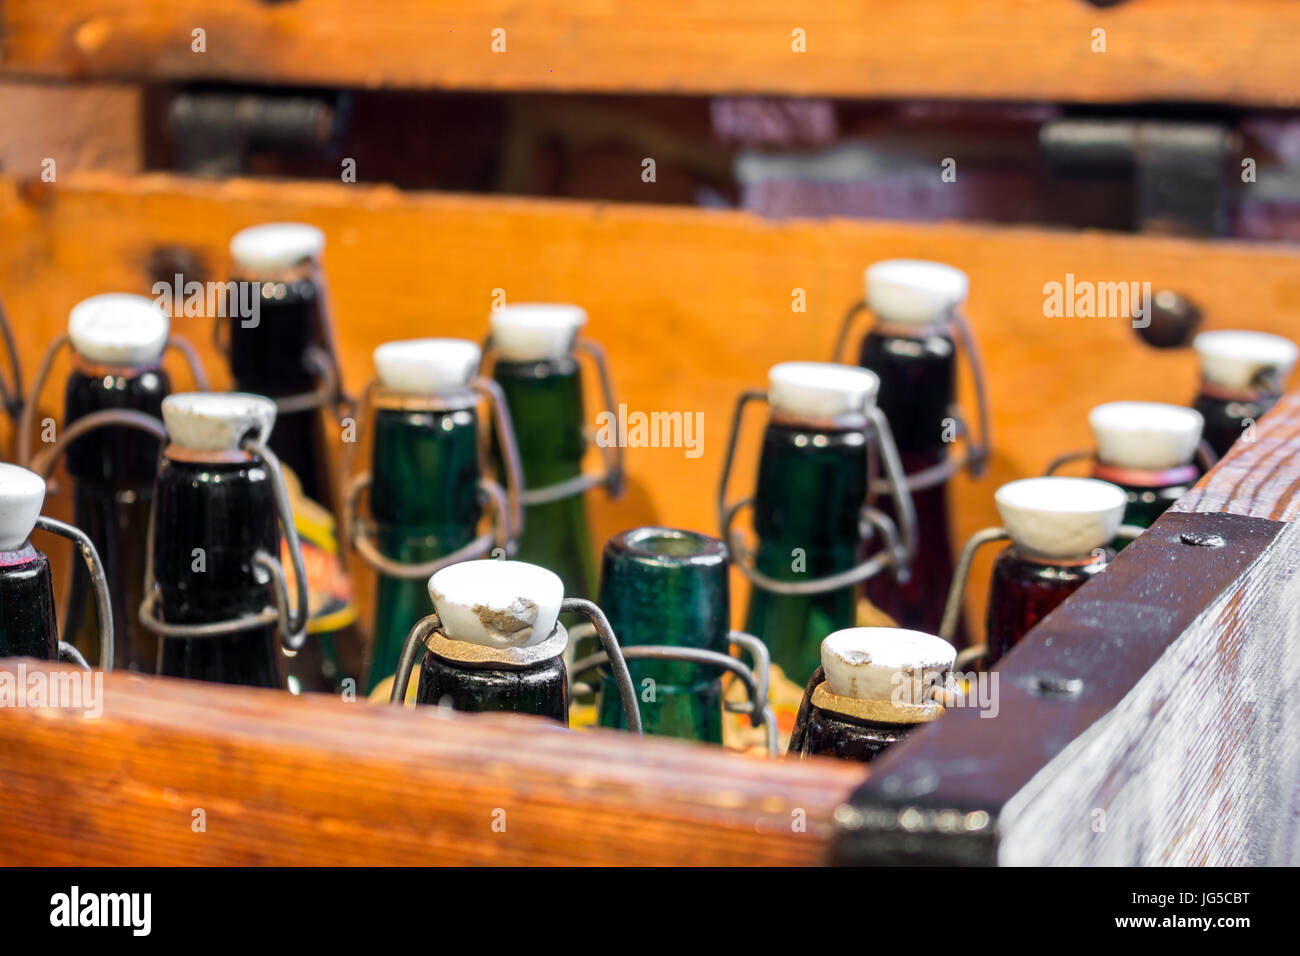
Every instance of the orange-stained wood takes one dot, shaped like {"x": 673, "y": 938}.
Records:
{"x": 953, "y": 49}
{"x": 692, "y": 305}
{"x": 285, "y": 781}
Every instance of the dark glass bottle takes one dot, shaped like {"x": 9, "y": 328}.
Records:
{"x": 1242, "y": 377}
{"x": 28, "y": 623}
{"x": 820, "y": 446}
{"x": 542, "y": 383}
{"x": 286, "y": 352}
{"x": 854, "y": 708}
{"x": 119, "y": 341}
{"x": 1146, "y": 448}
{"x": 214, "y": 510}
{"x": 498, "y": 644}
{"x": 913, "y": 350}
{"x": 425, "y": 478}
{"x": 663, "y": 586}
{"x": 1060, "y": 529}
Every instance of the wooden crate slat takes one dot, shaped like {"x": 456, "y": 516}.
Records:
{"x": 693, "y": 305}
{"x": 981, "y": 49}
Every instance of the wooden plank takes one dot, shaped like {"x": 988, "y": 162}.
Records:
{"x": 693, "y": 305}
{"x": 1178, "y": 745}
{"x": 985, "y": 49}
{"x": 317, "y": 781}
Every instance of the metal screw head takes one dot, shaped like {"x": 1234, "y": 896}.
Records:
{"x": 1051, "y": 685}
{"x": 1202, "y": 539}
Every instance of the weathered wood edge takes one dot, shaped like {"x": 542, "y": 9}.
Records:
{"x": 1167, "y": 615}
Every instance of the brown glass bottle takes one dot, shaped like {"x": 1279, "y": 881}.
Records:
{"x": 1025, "y": 590}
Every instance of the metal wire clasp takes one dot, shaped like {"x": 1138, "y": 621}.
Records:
{"x": 291, "y": 622}
{"x": 96, "y": 419}
{"x": 506, "y": 505}
{"x": 755, "y": 679}
{"x": 103, "y": 601}
{"x": 976, "y": 457}
{"x": 896, "y": 550}
{"x": 613, "y": 477}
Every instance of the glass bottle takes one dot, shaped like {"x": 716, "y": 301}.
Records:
{"x": 427, "y": 484}
{"x": 1242, "y": 376}
{"x": 874, "y": 685}
{"x": 1147, "y": 449}
{"x": 495, "y": 641}
{"x": 913, "y": 347}
{"x": 812, "y": 518}
{"x": 1060, "y": 530}
{"x": 118, "y": 343}
{"x": 667, "y": 587}
{"x": 286, "y": 350}
{"x": 536, "y": 365}
{"x": 216, "y": 592}
{"x": 28, "y": 621}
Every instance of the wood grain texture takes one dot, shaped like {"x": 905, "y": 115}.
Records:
{"x": 1197, "y": 765}
{"x": 1260, "y": 477}
{"x": 995, "y": 49}
{"x": 693, "y": 306}
{"x": 297, "y": 781}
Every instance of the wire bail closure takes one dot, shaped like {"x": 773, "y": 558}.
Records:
{"x": 976, "y": 456}
{"x": 756, "y": 679}
{"x": 291, "y": 622}
{"x": 103, "y": 601}
{"x": 614, "y": 477}
{"x": 506, "y": 504}
{"x": 1204, "y": 457}
{"x": 613, "y": 654}
{"x": 27, "y": 420}
{"x": 898, "y": 541}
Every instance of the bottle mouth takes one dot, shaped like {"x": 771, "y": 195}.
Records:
{"x": 672, "y": 545}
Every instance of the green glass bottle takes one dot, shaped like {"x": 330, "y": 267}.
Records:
{"x": 811, "y": 512}
{"x": 539, "y": 374}
{"x": 663, "y": 586}
{"x": 425, "y": 482}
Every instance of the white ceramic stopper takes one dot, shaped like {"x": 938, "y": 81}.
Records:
{"x": 914, "y": 291}
{"x": 1062, "y": 519}
{"x": 216, "y": 421}
{"x": 1145, "y": 435}
{"x": 1232, "y": 359}
{"x": 427, "y": 366}
{"x": 820, "y": 390}
{"x": 275, "y": 246}
{"x": 535, "y": 331}
{"x": 885, "y": 663}
{"x": 118, "y": 329}
{"x": 497, "y": 603}
{"x": 22, "y": 493}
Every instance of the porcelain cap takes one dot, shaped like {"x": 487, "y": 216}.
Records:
{"x": 427, "y": 366}
{"x": 118, "y": 328}
{"x": 885, "y": 663}
{"x": 1232, "y": 359}
{"x": 1145, "y": 435}
{"x": 497, "y": 603}
{"x": 216, "y": 421}
{"x": 536, "y": 331}
{"x": 275, "y": 246}
{"x": 821, "y": 390}
{"x": 1060, "y": 518}
{"x": 22, "y": 493}
{"x": 914, "y": 291}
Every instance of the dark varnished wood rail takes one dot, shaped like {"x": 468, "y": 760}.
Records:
{"x": 1148, "y": 720}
